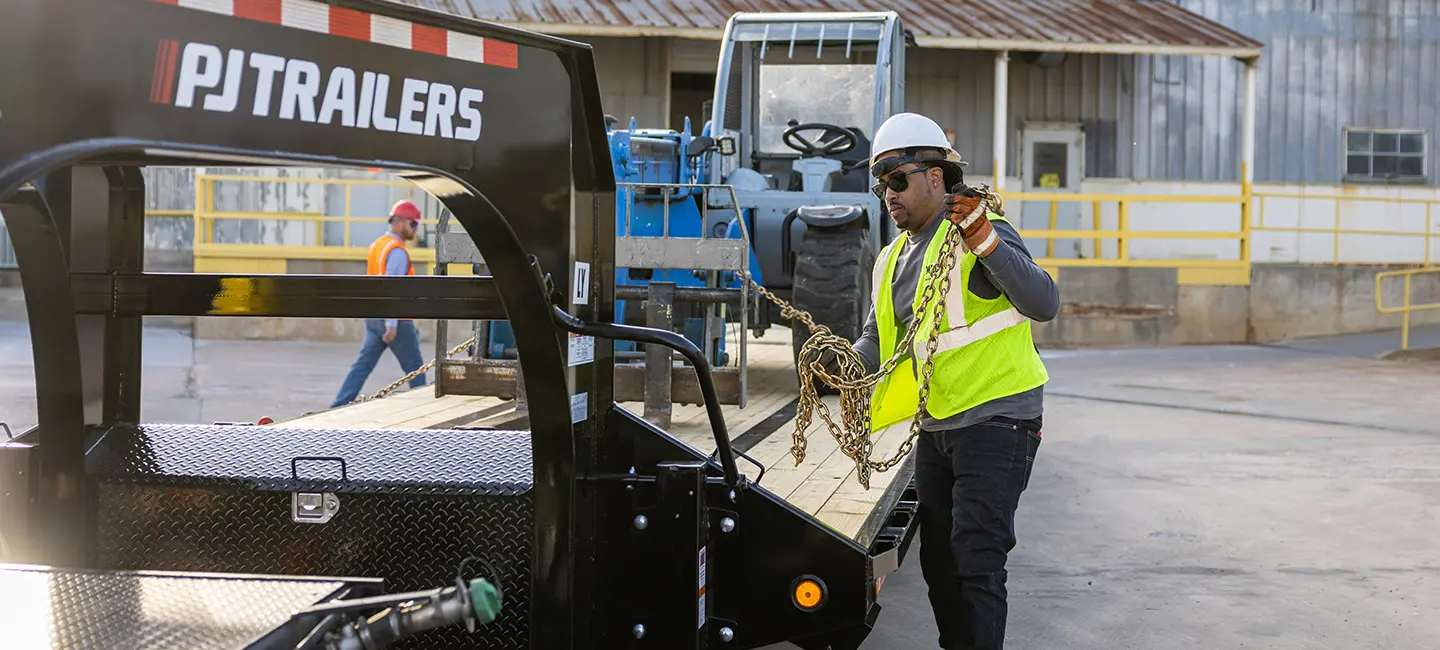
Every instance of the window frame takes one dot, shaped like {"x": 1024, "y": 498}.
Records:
{"x": 1423, "y": 155}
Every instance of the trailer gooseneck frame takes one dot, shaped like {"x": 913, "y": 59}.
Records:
{"x": 610, "y": 533}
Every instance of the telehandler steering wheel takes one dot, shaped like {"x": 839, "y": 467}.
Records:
{"x": 843, "y": 141}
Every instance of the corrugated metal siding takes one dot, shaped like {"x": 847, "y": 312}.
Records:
{"x": 1327, "y": 65}
{"x": 1150, "y": 22}
{"x": 956, "y": 88}
{"x": 691, "y": 55}
{"x": 633, "y": 77}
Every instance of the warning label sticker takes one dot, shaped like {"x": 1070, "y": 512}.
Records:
{"x": 702, "y": 588}
{"x": 582, "y": 349}
{"x": 579, "y": 407}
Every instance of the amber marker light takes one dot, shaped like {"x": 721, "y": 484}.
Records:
{"x": 808, "y": 593}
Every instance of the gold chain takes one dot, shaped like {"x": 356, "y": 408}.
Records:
{"x": 418, "y": 371}
{"x": 853, "y": 435}
{"x": 855, "y": 386}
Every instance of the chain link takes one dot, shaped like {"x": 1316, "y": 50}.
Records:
{"x": 418, "y": 371}
{"x": 853, "y": 433}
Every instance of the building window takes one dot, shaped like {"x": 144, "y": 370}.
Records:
{"x": 1384, "y": 155}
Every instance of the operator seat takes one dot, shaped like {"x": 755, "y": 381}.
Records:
{"x": 858, "y": 179}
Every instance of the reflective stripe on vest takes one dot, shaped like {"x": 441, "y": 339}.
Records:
{"x": 380, "y": 250}
{"x": 985, "y": 350}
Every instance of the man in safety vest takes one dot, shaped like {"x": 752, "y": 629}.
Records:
{"x": 388, "y": 256}
{"x": 981, "y": 426}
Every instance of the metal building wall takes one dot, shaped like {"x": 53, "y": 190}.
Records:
{"x": 956, "y": 88}
{"x": 634, "y": 78}
{"x": 1327, "y": 65}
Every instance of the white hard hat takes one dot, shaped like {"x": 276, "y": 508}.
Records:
{"x": 905, "y": 130}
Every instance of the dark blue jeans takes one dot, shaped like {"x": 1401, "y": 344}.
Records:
{"x": 406, "y": 347}
{"x": 969, "y": 483}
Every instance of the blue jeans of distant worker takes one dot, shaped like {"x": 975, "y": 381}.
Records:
{"x": 969, "y": 482}
{"x": 406, "y": 347}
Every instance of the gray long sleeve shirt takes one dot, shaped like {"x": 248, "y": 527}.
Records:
{"x": 1008, "y": 269}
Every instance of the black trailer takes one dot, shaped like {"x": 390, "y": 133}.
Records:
{"x": 605, "y": 531}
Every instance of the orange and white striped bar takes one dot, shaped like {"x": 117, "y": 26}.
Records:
{"x": 339, "y": 21}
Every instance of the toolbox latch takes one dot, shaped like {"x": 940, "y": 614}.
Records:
{"x": 314, "y": 507}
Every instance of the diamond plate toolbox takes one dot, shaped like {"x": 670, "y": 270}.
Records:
{"x": 68, "y": 609}
{"x": 404, "y": 505}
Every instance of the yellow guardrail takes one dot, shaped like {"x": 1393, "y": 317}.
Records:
{"x": 1408, "y": 307}
{"x": 319, "y": 247}
{"x": 1335, "y": 229}
{"x": 1226, "y": 218}
{"x": 212, "y": 255}
{"x": 1220, "y": 271}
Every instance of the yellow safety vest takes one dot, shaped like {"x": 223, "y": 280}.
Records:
{"x": 985, "y": 350}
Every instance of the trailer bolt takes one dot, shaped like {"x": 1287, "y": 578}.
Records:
{"x": 638, "y": 631}
{"x": 727, "y": 635}
{"x": 641, "y": 522}
{"x": 727, "y": 524}
{"x": 732, "y": 496}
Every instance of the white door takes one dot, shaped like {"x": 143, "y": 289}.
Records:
{"x": 1051, "y": 162}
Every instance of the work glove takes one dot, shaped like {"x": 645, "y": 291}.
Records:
{"x": 964, "y": 207}
{"x": 830, "y": 361}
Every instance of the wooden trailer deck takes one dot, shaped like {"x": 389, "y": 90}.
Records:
{"x": 824, "y": 485}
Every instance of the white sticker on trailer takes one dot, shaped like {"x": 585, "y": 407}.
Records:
{"x": 702, "y": 588}
{"x": 579, "y": 405}
{"x": 580, "y": 294}
{"x": 582, "y": 349}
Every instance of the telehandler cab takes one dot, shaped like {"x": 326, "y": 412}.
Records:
{"x": 603, "y": 530}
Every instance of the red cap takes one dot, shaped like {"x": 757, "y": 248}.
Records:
{"x": 406, "y": 210}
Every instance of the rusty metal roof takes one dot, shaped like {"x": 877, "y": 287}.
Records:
{"x": 1115, "y": 26}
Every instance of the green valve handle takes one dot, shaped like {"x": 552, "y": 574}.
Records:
{"x": 484, "y": 600}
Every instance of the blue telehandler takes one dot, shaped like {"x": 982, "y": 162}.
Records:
{"x": 773, "y": 189}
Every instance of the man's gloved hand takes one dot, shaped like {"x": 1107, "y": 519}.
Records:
{"x": 964, "y": 208}
{"x": 830, "y": 361}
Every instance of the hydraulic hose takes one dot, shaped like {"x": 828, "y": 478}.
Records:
{"x": 412, "y": 613}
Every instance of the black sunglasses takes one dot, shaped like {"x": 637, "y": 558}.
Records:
{"x": 899, "y": 182}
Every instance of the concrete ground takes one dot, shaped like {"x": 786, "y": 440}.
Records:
{"x": 1211, "y": 497}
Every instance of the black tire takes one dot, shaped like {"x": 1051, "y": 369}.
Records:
{"x": 832, "y": 283}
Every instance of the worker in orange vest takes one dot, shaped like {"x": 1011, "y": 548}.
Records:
{"x": 388, "y": 256}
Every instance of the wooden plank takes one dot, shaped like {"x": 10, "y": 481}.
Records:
{"x": 785, "y": 478}
{"x": 824, "y": 485}
{"x": 457, "y": 409}
{"x": 401, "y": 413}
{"x": 490, "y": 418}
{"x": 825, "y": 472}
{"x": 411, "y": 409}
{"x": 772, "y": 386}
{"x": 345, "y": 416}
{"x": 850, "y": 504}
